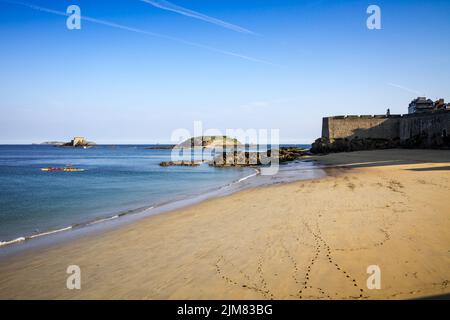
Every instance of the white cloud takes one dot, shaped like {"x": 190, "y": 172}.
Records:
{"x": 166, "y": 5}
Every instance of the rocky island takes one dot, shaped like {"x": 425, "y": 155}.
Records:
{"x": 232, "y": 153}
{"x": 50, "y": 143}
{"x": 201, "y": 142}
{"x": 78, "y": 142}
{"x": 209, "y": 142}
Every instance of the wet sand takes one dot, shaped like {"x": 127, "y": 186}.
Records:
{"x": 304, "y": 240}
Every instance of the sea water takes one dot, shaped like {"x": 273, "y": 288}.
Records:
{"x": 117, "y": 180}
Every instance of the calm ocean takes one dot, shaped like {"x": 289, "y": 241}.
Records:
{"x": 117, "y": 179}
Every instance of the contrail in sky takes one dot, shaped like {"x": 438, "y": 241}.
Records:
{"x": 148, "y": 33}
{"x": 166, "y": 5}
{"x": 405, "y": 88}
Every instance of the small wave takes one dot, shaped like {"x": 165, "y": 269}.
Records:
{"x": 257, "y": 172}
{"x": 48, "y": 233}
{"x": 5, "y": 243}
{"x": 102, "y": 220}
{"x": 22, "y": 239}
{"x": 75, "y": 226}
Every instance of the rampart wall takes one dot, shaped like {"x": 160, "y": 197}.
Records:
{"x": 350, "y": 133}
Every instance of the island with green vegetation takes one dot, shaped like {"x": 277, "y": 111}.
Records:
{"x": 209, "y": 142}
{"x": 232, "y": 153}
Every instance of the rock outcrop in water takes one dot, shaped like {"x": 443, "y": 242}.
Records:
{"x": 161, "y": 147}
{"x": 235, "y": 154}
{"x": 202, "y": 142}
{"x": 180, "y": 163}
{"x": 287, "y": 154}
{"x": 79, "y": 142}
{"x": 246, "y": 158}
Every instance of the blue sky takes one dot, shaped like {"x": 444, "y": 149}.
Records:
{"x": 272, "y": 64}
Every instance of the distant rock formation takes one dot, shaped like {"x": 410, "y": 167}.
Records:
{"x": 76, "y": 142}
{"x": 209, "y": 142}
{"x": 161, "y": 147}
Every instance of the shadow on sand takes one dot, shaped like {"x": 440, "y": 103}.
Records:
{"x": 386, "y": 157}
{"x": 445, "y": 168}
{"x": 437, "y": 297}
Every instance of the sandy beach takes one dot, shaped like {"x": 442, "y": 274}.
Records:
{"x": 304, "y": 240}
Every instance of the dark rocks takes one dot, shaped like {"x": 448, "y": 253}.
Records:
{"x": 240, "y": 159}
{"x": 246, "y": 158}
{"x": 433, "y": 141}
{"x": 180, "y": 163}
{"x": 324, "y": 145}
{"x": 291, "y": 153}
{"x": 78, "y": 142}
{"x": 161, "y": 147}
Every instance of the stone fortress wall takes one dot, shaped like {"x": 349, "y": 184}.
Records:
{"x": 351, "y": 133}
{"x": 350, "y": 127}
{"x": 434, "y": 128}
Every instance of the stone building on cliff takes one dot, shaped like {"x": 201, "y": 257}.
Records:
{"x": 424, "y": 105}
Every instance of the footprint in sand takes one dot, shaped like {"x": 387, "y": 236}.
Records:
{"x": 351, "y": 186}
